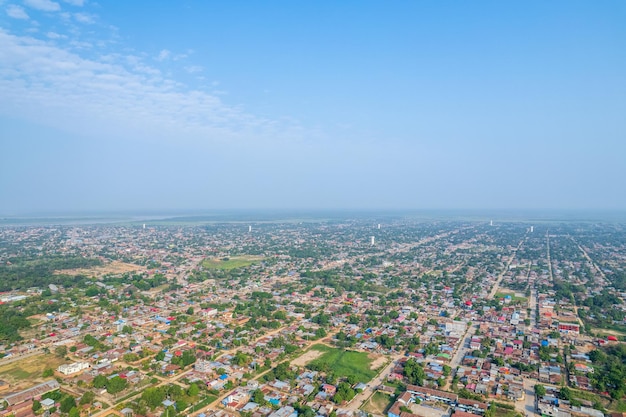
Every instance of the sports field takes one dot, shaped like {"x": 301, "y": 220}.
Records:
{"x": 230, "y": 263}
{"x": 343, "y": 363}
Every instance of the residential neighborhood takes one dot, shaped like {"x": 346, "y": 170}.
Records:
{"x": 353, "y": 317}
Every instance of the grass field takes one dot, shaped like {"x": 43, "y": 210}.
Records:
{"x": 344, "y": 362}
{"x": 377, "y": 404}
{"x": 514, "y": 298}
{"x": 29, "y": 369}
{"x": 230, "y": 263}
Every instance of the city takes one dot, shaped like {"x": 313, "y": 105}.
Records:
{"x": 392, "y": 316}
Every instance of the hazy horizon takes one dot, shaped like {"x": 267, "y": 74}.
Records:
{"x": 168, "y": 106}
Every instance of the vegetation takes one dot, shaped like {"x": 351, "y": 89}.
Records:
{"x": 343, "y": 363}
{"x": 610, "y": 368}
{"x": 229, "y": 263}
{"x": 22, "y": 272}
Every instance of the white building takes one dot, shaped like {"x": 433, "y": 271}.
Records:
{"x": 72, "y": 368}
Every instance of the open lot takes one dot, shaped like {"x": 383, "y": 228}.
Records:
{"x": 306, "y": 357}
{"x": 231, "y": 262}
{"x": 344, "y": 362}
{"x": 113, "y": 267}
{"x": 514, "y": 296}
{"x": 27, "y": 372}
{"x": 378, "y": 404}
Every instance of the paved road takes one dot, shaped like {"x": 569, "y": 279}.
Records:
{"x": 496, "y": 286}
{"x": 460, "y": 353}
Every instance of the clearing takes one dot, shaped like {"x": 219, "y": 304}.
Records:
{"x": 115, "y": 267}
{"x": 306, "y": 357}
{"x": 343, "y": 363}
{"x": 515, "y": 297}
{"x": 231, "y": 262}
{"x": 23, "y": 373}
{"x": 378, "y": 404}
{"x": 378, "y": 361}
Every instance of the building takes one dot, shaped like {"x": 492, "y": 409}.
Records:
{"x": 72, "y": 368}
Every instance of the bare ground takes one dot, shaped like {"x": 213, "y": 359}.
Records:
{"x": 377, "y": 360}
{"x": 114, "y": 267}
{"x": 306, "y": 357}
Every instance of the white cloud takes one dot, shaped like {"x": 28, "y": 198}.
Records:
{"x": 78, "y": 3}
{"x": 163, "y": 55}
{"x": 44, "y": 5}
{"x": 54, "y": 35}
{"x": 84, "y": 18}
{"x": 16, "y": 12}
{"x": 46, "y": 83}
{"x": 193, "y": 69}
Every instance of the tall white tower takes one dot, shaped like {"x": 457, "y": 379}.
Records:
{"x": 249, "y": 229}
{"x": 144, "y": 225}
{"x": 532, "y": 228}
{"x": 491, "y": 223}
{"x": 372, "y": 240}
{"x": 378, "y": 226}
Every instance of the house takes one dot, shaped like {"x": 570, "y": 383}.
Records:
{"x": 47, "y": 403}
{"x": 72, "y": 368}
{"x": 329, "y": 389}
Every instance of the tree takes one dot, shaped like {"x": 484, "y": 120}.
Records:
{"x": 60, "y": 351}
{"x": 48, "y": 372}
{"x": 36, "y": 405}
{"x": 67, "y": 404}
{"x": 414, "y": 372}
{"x": 74, "y": 412}
{"x": 258, "y": 397}
{"x": 193, "y": 390}
{"x": 87, "y": 398}
{"x": 100, "y": 381}
{"x": 153, "y": 397}
{"x": 116, "y": 384}
{"x": 540, "y": 390}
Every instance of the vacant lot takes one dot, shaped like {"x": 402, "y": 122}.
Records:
{"x": 378, "y": 361}
{"x": 231, "y": 262}
{"x": 378, "y": 404}
{"x": 306, "y": 357}
{"x": 114, "y": 267}
{"x": 514, "y": 297}
{"x": 26, "y": 372}
{"x": 343, "y": 363}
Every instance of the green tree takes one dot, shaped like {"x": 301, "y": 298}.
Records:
{"x": 36, "y": 405}
{"x": 60, "y": 351}
{"x": 67, "y": 403}
{"x": 74, "y": 412}
{"x": 540, "y": 390}
{"x": 116, "y": 384}
{"x": 193, "y": 390}
{"x": 100, "y": 381}
{"x": 87, "y": 398}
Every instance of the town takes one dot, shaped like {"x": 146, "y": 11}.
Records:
{"x": 388, "y": 316}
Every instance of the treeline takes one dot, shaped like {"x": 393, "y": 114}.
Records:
{"x": 610, "y": 368}
{"x": 12, "y": 322}
{"x": 141, "y": 281}
{"x": 14, "y": 317}
{"x": 22, "y": 273}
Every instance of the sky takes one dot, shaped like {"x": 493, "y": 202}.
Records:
{"x": 369, "y": 105}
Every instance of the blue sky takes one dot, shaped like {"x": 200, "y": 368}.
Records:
{"x": 310, "y": 105}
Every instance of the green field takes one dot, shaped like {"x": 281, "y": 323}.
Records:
{"x": 378, "y": 403}
{"x": 343, "y": 363}
{"x": 230, "y": 263}
{"x": 29, "y": 369}
{"x": 514, "y": 298}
